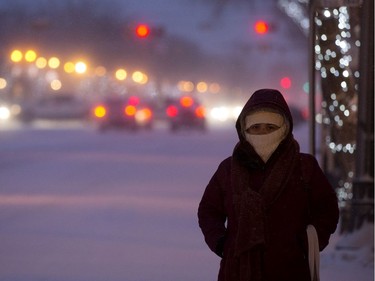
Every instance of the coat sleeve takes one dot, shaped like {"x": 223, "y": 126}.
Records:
{"x": 324, "y": 209}
{"x": 212, "y": 215}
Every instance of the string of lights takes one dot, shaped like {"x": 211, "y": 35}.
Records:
{"x": 337, "y": 61}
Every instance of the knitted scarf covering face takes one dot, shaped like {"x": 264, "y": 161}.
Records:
{"x": 245, "y": 260}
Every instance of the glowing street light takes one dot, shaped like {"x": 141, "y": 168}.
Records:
{"x": 185, "y": 86}
{"x": 121, "y": 74}
{"x": 30, "y": 56}
{"x": 69, "y": 67}
{"x": 16, "y": 56}
{"x": 202, "y": 87}
{"x": 54, "y": 62}
{"x": 56, "y": 84}
{"x": 80, "y": 67}
{"x": 41, "y": 62}
{"x": 3, "y": 83}
{"x": 139, "y": 77}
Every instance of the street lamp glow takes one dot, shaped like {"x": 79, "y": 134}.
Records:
{"x": 54, "y": 62}
{"x": 30, "y": 56}
{"x": 139, "y": 77}
{"x": 3, "y": 83}
{"x": 56, "y": 84}
{"x": 69, "y": 67}
{"x": 121, "y": 74}
{"x": 41, "y": 62}
{"x": 16, "y": 56}
{"x": 202, "y": 87}
{"x": 80, "y": 67}
{"x": 185, "y": 86}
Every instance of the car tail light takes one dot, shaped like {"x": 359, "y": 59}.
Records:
{"x": 200, "y": 112}
{"x": 306, "y": 113}
{"x": 186, "y": 101}
{"x": 133, "y": 100}
{"x": 100, "y": 111}
{"x": 172, "y": 111}
{"x": 143, "y": 115}
{"x": 130, "y": 110}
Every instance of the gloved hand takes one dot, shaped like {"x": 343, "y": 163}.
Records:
{"x": 219, "y": 250}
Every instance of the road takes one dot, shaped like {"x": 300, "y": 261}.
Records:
{"x": 83, "y": 206}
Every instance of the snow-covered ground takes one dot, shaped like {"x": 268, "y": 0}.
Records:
{"x": 76, "y": 205}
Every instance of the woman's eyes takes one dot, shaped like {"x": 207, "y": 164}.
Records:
{"x": 255, "y": 127}
{"x": 272, "y": 127}
{"x": 261, "y": 128}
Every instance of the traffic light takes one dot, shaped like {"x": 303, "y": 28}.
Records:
{"x": 142, "y": 30}
{"x": 261, "y": 27}
{"x": 146, "y": 31}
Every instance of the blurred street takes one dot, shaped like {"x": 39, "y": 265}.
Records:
{"x": 79, "y": 205}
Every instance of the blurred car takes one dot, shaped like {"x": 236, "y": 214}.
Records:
{"x": 55, "y": 106}
{"x": 5, "y": 112}
{"x": 185, "y": 113}
{"x": 122, "y": 112}
{"x": 9, "y": 111}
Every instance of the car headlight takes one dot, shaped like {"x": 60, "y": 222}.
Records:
{"x": 4, "y": 113}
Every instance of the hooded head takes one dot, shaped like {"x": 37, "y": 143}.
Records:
{"x": 264, "y": 100}
{"x": 265, "y": 106}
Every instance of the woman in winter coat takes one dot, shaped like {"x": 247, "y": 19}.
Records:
{"x": 256, "y": 207}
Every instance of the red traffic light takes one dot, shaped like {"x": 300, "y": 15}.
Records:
{"x": 261, "y": 27}
{"x": 142, "y": 31}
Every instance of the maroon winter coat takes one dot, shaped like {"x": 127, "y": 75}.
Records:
{"x": 254, "y": 215}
